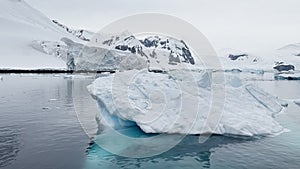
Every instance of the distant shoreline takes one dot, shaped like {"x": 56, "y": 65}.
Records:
{"x": 49, "y": 71}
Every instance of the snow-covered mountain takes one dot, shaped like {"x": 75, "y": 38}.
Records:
{"x": 157, "y": 53}
{"x": 157, "y": 49}
{"x": 293, "y": 49}
{"x": 28, "y": 39}
{"x": 236, "y": 59}
{"x": 290, "y": 54}
{"x": 178, "y": 50}
{"x": 275, "y": 60}
{"x": 20, "y": 26}
{"x": 125, "y": 51}
{"x": 243, "y": 60}
{"x": 80, "y": 33}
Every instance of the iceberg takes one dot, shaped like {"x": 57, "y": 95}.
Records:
{"x": 179, "y": 102}
{"x": 287, "y": 76}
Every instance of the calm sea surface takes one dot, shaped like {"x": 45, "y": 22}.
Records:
{"x": 39, "y": 129}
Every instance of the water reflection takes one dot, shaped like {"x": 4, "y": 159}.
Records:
{"x": 69, "y": 89}
{"x": 85, "y": 106}
{"x": 38, "y": 112}
{"x": 9, "y": 146}
{"x": 188, "y": 153}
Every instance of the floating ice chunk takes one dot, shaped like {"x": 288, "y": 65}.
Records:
{"x": 68, "y": 76}
{"x": 284, "y": 103}
{"x": 180, "y": 102}
{"x": 297, "y": 102}
{"x": 287, "y": 76}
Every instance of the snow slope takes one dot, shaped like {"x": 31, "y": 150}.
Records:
{"x": 293, "y": 49}
{"x": 79, "y": 33}
{"x": 20, "y": 25}
{"x": 290, "y": 54}
{"x": 170, "y": 103}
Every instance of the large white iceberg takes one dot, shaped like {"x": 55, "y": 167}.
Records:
{"x": 180, "y": 102}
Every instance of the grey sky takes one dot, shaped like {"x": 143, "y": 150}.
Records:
{"x": 251, "y": 25}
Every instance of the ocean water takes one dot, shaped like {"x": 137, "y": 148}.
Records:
{"x": 39, "y": 129}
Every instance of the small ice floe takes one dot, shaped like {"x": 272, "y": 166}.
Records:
{"x": 68, "y": 76}
{"x": 297, "y": 102}
{"x": 1, "y": 78}
{"x": 287, "y": 76}
{"x": 46, "y": 108}
{"x": 52, "y": 99}
{"x": 284, "y": 103}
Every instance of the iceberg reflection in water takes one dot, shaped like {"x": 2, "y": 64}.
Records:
{"x": 188, "y": 153}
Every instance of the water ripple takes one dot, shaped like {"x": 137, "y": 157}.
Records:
{"x": 9, "y": 146}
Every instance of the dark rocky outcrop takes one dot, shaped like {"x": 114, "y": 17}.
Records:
{"x": 235, "y": 57}
{"x": 283, "y": 67}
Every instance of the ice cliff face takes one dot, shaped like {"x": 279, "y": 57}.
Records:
{"x": 178, "y": 103}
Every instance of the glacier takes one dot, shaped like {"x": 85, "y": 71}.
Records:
{"x": 179, "y": 102}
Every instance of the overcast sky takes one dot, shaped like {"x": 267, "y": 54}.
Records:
{"x": 250, "y": 25}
